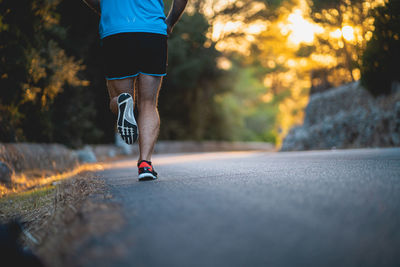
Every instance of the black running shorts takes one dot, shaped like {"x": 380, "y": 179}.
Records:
{"x": 128, "y": 54}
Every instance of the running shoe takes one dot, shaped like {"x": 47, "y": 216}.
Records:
{"x": 126, "y": 124}
{"x": 146, "y": 171}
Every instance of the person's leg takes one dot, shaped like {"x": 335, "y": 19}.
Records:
{"x": 117, "y": 87}
{"x": 149, "y": 120}
{"x": 122, "y": 104}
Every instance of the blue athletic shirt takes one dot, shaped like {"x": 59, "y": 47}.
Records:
{"x": 119, "y": 16}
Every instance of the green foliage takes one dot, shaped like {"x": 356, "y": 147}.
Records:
{"x": 35, "y": 70}
{"x": 380, "y": 62}
{"x": 247, "y": 116}
{"x": 187, "y": 108}
{"x": 88, "y": 118}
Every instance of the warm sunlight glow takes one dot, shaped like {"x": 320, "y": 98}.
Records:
{"x": 22, "y": 182}
{"x": 268, "y": 81}
{"x": 224, "y": 63}
{"x": 256, "y": 28}
{"x": 299, "y": 29}
{"x": 221, "y": 28}
{"x": 356, "y": 74}
{"x": 348, "y": 33}
{"x": 327, "y": 61}
{"x": 336, "y": 34}
{"x": 268, "y": 97}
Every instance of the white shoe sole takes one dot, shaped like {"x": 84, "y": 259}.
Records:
{"x": 126, "y": 123}
{"x": 147, "y": 176}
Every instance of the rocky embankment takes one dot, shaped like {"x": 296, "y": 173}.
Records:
{"x": 347, "y": 117}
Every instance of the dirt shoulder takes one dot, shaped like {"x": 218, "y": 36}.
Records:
{"x": 59, "y": 218}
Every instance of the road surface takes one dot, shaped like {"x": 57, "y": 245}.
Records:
{"x": 319, "y": 208}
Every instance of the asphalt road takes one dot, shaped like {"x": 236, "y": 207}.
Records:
{"x": 319, "y": 208}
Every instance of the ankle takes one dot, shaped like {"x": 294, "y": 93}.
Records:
{"x": 143, "y": 160}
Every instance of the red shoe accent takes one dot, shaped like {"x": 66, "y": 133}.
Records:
{"x": 144, "y": 164}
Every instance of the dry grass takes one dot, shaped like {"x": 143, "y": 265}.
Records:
{"x": 58, "y": 219}
{"x": 36, "y": 178}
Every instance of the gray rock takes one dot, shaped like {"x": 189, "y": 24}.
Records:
{"x": 346, "y": 97}
{"x": 6, "y": 173}
{"x": 86, "y": 155}
{"x": 112, "y": 153}
{"x": 347, "y": 117}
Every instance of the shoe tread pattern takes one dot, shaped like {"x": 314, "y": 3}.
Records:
{"x": 127, "y": 130}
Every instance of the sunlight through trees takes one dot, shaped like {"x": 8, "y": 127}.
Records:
{"x": 238, "y": 70}
{"x": 299, "y": 47}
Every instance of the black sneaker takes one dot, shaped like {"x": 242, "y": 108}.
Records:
{"x": 146, "y": 171}
{"x": 126, "y": 123}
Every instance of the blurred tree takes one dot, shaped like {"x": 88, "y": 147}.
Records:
{"x": 35, "y": 69}
{"x": 249, "y": 107}
{"x": 83, "y": 42}
{"x": 309, "y": 45}
{"x": 380, "y": 62}
{"x": 281, "y": 67}
{"x": 233, "y": 22}
{"x": 347, "y": 26}
{"x": 187, "y": 106}
{"x": 249, "y": 111}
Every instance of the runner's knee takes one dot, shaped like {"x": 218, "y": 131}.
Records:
{"x": 148, "y": 99}
{"x": 117, "y": 87}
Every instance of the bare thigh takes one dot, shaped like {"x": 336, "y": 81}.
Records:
{"x": 148, "y": 89}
